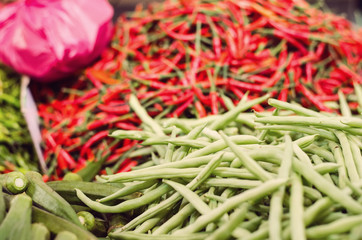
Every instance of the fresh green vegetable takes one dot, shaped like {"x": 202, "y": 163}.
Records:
{"x": 65, "y": 235}
{"x": 47, "y": 198}
{"x": 16, "y": 182}
{"x": 39, "y": 232}
{"x": 17, "y": 223}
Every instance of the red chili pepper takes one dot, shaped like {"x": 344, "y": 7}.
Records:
{"x": 96, "y": 137}
{"x": 312, "y": 98}
{"x": 119, "y": 110}
{"x": 200, "y": 109}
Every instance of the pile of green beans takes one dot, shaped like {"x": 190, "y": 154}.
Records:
{"x": 16, "y": 149}
{"x": 293, "y": 173}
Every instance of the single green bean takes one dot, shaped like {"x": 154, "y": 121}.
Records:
{"x": 215, "y": 197}
{"x": 232, "y": 183}
{"x": 248, "y": 195}
{"x": 246, "y": 160}
{"x": 327, "y": 167}
{"x": 143, "y": 115}
{"x": 348, "y": 156}
{"x": 293, "y": 107}
{"x": 322, "y": 122}
{"x": 276, "y": 202}
{"x": 356, "y": 152}
{"x": 339, "y": 226}
{"x": 342, "y": 173}
{"x": 358, "y": 91}
{"x": 343, "y": 105}
{"x": 311, "y": 193}
{"x": 294, "y": 128}
{"x": 301, "y": 155}
{"x": 126, "y": 205}
{"x": 231, "y": 115}
{"x": 170, "y": 147}
{"x": 177, "y": 141}
{"x": 220, "y": 145}
{"x": 128, "y": 190}
{"x": 131, "y": 134}
{"x": 190, "y": 196}
{"x": 296, "y": 208}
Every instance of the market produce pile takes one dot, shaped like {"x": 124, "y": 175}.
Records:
{"x": 183, "y": 60}
{"x": 202, "y": 120}
{"x": 292, "y": 173}
{"x": 16, "y": 148}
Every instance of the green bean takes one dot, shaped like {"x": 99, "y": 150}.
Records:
{"x": 220, "y": 145}
{"x": 356, "y": 233}
{"x": 211, "y": 134}
{"x": 233, "y": 172}
{"x": 150, "y": 223}
{"x": 324, "y": 168}
{"x": 175, "y": 220}
{"x": 345, "y": 110}
{"x": 348, "y": 157}
{"x": 247, "y": 161}
{"x": 358, "y": 91}
{"x": 229, "y": 116}
{"x": 215, "y": 197}
{"x": 339, "y": 226}
{"x": 342, "y": 173}
{"x": 175, "y": 141}
{"x": 199, "y": 179}
{"x": 293, "y": 107}
{"x": 301, "y": 155}
{"x": 326, "y": 187}
{"x": 276, "y": 202}
{"x": 143, "y": 115}
{"x": 190, "y": 196}
{"x": 127, "y": 190}
{"x": 248, "y": 195}
{"x": 141, "y": 236}
{"x": 232, "y": 183}
{"x": 226, "y": 229}
{"x": 126, "y": 205}
{"x": 311, "y": 193}
{"x": 193, "y": 134}
{"x": 310, "y": 130}
{"x": 296, "y": 208}
{"x": 323, "y": 122}
{"x": 317, "y": 160}
{"x": 131, "y": 134}
{"x": 320, "y": 151}
{"x": 305, "y": 141}
{"x": 156, "y": 174}
{"x": 264, "y": 132}
{"x": 170, "y": 147}
{"x": 356, "y": 152}
{"x": 260, "y": 234}
{"x": 252, "y": 224}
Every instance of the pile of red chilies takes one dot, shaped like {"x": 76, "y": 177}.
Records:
{"x": 184, "y": 58}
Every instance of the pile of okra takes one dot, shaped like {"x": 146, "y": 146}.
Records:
{"x": 290, "y": 173}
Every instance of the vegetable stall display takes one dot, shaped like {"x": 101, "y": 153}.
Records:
{"x": 192, "y": 59}
{"x": 293, "y": 173}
